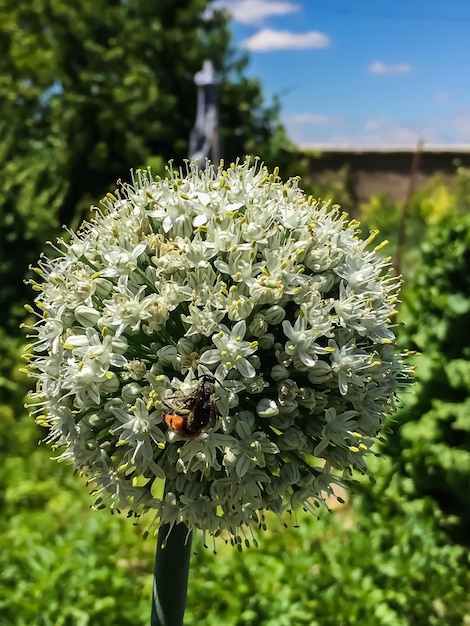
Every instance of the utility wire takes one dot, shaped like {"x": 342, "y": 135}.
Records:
{"x": 395, "y": 16}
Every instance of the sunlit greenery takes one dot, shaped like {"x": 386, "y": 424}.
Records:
{"x": 62, "y": 563}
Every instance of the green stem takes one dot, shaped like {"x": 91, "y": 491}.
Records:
{"x": 170, "y": 581}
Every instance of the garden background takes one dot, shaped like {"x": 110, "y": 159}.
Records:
{"x": 91, "y": 90}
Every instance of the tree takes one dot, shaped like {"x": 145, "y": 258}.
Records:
{"x": 93, "y": 88}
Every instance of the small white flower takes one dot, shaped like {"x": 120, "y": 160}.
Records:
{"x": 230, "y": 352}
{"x": 338, "y": 430}
{"x": 303, "y": 340}
{"x": 239, "y": 306}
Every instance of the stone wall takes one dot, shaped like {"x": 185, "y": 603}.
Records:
{"x": 384, "y": 172}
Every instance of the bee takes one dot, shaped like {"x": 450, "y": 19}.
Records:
{"x": 195, "y": 411}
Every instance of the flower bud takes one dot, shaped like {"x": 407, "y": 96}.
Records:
{"x": 258, "y": 326}
{"x": 274, "y": 314}
{"x": 320, "y": 373}
{"x": 167, "y": 355}
{"x": 288, "y": 405}
{"x": 87, "y": 315}
{"x": 290, "y": 473}
{"x": 267, "y": 408}
{"x": 246, "y": 418}
{"x": 292, "y": 439}
{"x": 266, "y": 341}
{"x": 279, "y": 372}
{"x": 111, "y": 383}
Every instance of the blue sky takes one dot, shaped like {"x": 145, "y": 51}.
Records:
{"x": 362, "y": 72}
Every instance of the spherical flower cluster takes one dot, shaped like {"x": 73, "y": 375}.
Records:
{"x": 219, "y": 331}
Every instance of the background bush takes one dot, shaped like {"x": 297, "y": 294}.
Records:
{"x": 64, "y": 564}
{"x": 432, "y": 446}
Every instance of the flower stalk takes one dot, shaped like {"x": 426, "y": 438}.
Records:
{"x": 170, "y": 581}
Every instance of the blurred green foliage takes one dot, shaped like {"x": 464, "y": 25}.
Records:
{"x": 432, "y": 446}
{"x": 62, "y": 564}
{"x": 93, "y": 88}
{"x": 431, "y": 440}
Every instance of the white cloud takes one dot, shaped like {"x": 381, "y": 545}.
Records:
{"x": 301, "y": 125}
{"x": 371, "y": 125}
{"x": 441, "y": 97}
{"x": 255, "y": 11}
{"x": 383, "y": 68}
{"x": 461, "y": 121}
{"x": 268, "y": 39}
{"x": 383, "y": 130}
{"x": 306, "y": 119}
{"x": 376, "y": 132}
{"x": 380, "y": 132}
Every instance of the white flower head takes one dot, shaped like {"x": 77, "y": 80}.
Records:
{"x": 217, "y": 330}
